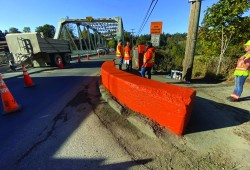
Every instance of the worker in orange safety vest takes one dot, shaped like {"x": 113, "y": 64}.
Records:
{"x": 128, "y": 57}
{"x": 148, "y": 60}
{"x": 120, "y": 54}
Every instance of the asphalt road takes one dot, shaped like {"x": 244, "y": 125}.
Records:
{"x": 65, "y": 124}
{"x": 57, "y": 127}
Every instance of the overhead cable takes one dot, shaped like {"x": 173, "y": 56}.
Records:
{"x": 144, "y": 19}
{"x": 147, "y": 16}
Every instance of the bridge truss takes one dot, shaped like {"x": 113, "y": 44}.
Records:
{"x": 87, "y": 35}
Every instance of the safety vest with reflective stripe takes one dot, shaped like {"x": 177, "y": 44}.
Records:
{"x": 242, "y": 69}
{"x": 127, "y": 53}
{"x": 119, "y": 51}
{"x": 241, "y": 64}
{"x": 150, "y": 56}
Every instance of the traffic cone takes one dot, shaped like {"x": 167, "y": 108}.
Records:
{"x": 27, "y": 80}
{"x": 79, "y": 58}
{"x": 60, "y": 64}
{"x": 87, "y": 57}
{"x": 9, "y": 103}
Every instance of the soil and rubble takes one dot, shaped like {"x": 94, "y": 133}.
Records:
{"x": 217, "y": 136}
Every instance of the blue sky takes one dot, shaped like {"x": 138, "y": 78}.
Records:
{"x": 33, "y": 13}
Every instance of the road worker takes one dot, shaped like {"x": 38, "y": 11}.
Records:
{"x": 148, "y": 60}
{"x": 241, "y": 73}
{"x": 128, "y": 57}
{"x": 119, "y": 54}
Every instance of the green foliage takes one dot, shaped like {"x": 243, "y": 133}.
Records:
{"x": 1, "y": 34}
{"x": 141, "y": 40}
{"x": 47, "y": 30}
{"x": 163, "y": 62}
{"x": 13, "y": 30}
{"x": 26, "y": 29}
{"x": 223, "y": 32}
{"x": 127, "y": 36}
{"x": 111, "y": 44}
{"x": 171, "y": 54}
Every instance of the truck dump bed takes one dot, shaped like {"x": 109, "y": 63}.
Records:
{"x": 32, "y": 43}
{"x": 37, "y": 50}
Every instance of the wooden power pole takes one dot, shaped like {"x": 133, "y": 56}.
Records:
{"x": 191, "y": 40}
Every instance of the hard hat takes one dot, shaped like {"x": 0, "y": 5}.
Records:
{"x": 248, "y": 43}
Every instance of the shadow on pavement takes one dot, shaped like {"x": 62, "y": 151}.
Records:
{"x": 209, "y": 115}
{"x": 49, "y": 93}
{"x": 91, "y": 164}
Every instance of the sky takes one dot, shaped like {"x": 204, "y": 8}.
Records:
{"x": 34, "y": 13}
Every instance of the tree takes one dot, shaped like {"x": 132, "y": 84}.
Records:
{"x": 142, "y": 39}
{"x": 26, "y": 29}
{"x": 1, "y": 34}
{"x": 127, "y": 36}
{"x": 111, "y": 44}
{"x": 47, "y": 30}
{"x": 223, "y": 23}
{"x": 13, "y": 30}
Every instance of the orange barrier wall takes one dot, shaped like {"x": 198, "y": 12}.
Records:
{"x": 167, "y": 104}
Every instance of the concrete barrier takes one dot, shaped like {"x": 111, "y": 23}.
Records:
{"x": 167, "y": 104}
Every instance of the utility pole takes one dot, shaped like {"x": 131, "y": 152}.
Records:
{"x": 132, "y": 33}
{"x": 191, "y": 40}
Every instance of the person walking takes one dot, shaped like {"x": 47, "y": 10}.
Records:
{"x": 128, "y": 57}
{"x": 119, "y": 54}
{"x": 241, "y": 73}
{"x": 148, "y": 60}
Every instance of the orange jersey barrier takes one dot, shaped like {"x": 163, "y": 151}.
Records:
{"x": 167, "y": 104}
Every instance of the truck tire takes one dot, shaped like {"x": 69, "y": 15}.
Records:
{"x": 66, "y": 58}
{"x": 56, "y": 57}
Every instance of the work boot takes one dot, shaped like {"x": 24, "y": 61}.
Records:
{"x": 231, "y": 99}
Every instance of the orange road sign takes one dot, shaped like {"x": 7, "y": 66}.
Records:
{"x": 156, "y": 28}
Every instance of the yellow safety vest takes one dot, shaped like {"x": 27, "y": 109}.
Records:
{"x": 118, "y": 52}
{"x": 242, "y": 69}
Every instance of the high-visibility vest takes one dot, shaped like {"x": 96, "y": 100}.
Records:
{"x": 242, "y": 69}
{"x": 127, "y": 53}
{"x": 241, "y": 64}
{"x": 119, "y": 51}
{"x": 150, "y": 54}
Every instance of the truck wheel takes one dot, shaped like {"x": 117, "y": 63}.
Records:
{"x": 56, "y": 58}
{"x": 66, "y": 58}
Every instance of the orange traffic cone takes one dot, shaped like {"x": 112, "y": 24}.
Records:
{"x": 60, "y": 64}
{"x": 79, "y": 58}
{"x": 9, "y": 103}
{"x": 27, "y": 80}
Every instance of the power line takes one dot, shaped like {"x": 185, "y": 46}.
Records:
{"x": 150, "y": 14}
{"x": 147, "y": 16}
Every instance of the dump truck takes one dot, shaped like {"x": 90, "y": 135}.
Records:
{"x": 34, "y": 49}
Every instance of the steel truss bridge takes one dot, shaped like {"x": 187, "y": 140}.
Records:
{"x": 87, "y": 35}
